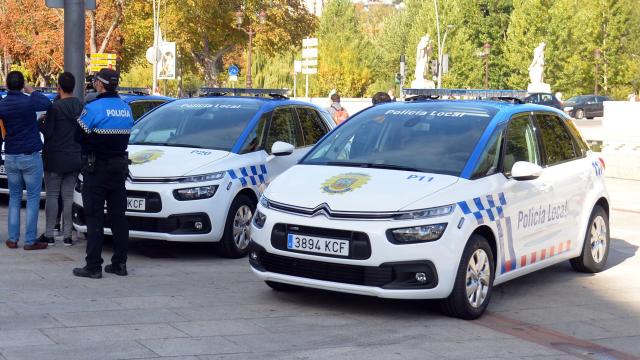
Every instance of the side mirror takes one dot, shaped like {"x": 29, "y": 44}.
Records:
{"x": 281, "y": 148}
{"x": 523, "y": 170}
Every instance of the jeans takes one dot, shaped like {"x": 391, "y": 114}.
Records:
{"x": 59, "y": 186}
{"x": 24, "y": 171}
{"x": 100, "y": 186}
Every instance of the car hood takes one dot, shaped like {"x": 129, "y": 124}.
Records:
{"x": 168, "y": 161}
{"x": 354, "y": 189}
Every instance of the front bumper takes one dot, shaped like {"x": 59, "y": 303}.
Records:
{"x": 388, "y": 270}
{"x": 166, "y": 218}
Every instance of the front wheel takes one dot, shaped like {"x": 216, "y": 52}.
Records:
{"x": 579, "y": 114}
{"x": 474, "y": 281}
{"x": 237, "y": 230}
{"x": 595, "y": 250}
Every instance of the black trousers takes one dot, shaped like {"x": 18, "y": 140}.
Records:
{"x": 105, "y": 184}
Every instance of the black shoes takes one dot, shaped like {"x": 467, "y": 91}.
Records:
{"x": 118, "y": 269}
{"x": 67, "y": 242}
{"x": 85, "y": 272}
{"x": 47, "y": 240}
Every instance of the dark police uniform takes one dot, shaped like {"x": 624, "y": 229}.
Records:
{"x": 105, "y": 125}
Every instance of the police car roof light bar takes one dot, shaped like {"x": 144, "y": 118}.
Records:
{"x": 45, "y": 89}
{"x": 276, "y": 93}
{"x": 133, "y": 90}
{"x": 467, "y": 93}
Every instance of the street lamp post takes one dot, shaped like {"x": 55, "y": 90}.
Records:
{"x": 597, "y": 53}
{"x": 440, "y": 44}
{"x": 249, "y": 31}
{"x": 486, "y": 48}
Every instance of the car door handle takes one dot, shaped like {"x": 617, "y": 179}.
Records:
{"x": 545, "y": 188}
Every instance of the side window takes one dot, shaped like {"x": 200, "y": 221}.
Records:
{"x": 283, "y": 127}
{"x": 556, "y": 140}
{"x": 255, "y": 140}
{"x": 489, "y": 160}
{"x": 577, "y": 137}
{"x": 312, "y": 127}
{"x": 546, "y": 98}
{"x": 521, "y": 144}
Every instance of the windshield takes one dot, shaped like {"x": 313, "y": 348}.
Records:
{"x": 428, "y": 137}
{"x": 575, "y": 100}
{"x": 208, "y": 123}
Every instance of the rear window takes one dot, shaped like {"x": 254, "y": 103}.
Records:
{"x": 209, "y": 123}
{"x": 433, "y": 137}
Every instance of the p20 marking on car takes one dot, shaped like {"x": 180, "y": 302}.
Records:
{"x": 435, "y": 199}
{"x": 199, "y": 165}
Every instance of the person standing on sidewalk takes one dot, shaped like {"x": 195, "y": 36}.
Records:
{"x": 23, "y": 161}
{"x": 105, "y": 125}
{"x": 61, "y": 158}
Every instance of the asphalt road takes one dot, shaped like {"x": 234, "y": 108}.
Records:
{"x": 181, "y": 301}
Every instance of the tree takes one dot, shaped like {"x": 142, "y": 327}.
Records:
{"x": 342, "y": 52}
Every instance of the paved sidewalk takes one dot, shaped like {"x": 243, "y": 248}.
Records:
{"x": 183, "y": 302}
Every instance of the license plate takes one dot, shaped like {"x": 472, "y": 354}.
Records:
{"x": 136, "y": 204}
{"x": 3, "y": 171}
{"x": 317, "y": 245}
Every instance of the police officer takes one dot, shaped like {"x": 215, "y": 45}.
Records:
{"x": 104, "y": 129}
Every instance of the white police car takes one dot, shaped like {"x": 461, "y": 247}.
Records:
{"x": 435, "y": 199}
{"x": 199, "y": 165}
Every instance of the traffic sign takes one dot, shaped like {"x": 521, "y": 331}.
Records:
{"x": 297, "y": 66}
{"x": 104, "y": 56}
{"x": 309, "y": 71}
{"x": 233, "y": 78}
{"x": 103, "y": 60}
{"x": 309, "y": 63}
{"x": 310, "y": 42}
{"x": 234, "y": 70}
{"x": 310, "y": 53}
{"x": 88, "y": 4}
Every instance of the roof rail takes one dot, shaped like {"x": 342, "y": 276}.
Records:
{"x": 274, "y": 93}
{"x": 133, "y": 90}
{"x": 475, "y": 94}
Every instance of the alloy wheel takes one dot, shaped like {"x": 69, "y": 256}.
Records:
{"x": 478, "y": 277}
{"x": 242, "y": 226}
{"x": 598, "y": 239}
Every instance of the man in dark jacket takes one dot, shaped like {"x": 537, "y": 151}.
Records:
{"x": 61, "y": 157}
{"x": 23, "y": 162}
{"x": 105, "y": 125}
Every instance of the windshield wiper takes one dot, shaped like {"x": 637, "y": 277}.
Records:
{"x": 373, "y": 166}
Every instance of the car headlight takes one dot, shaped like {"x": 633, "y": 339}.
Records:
{"x": 203, "y": 177}
{"x": 264, "y": 202}
{"x": 195, "y": 193}
{"x": 568, "y": 108}
{"x": 259, "y": 219}
{"x": 417, "y": 234}
{"x": 426, "y": 213}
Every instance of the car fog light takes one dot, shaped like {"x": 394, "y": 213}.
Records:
{"x": 196, "y": 193}
{"x": 421, "y": 277}
{"x": 198, "y": 225}
{"x": 259, "y": 219}
{"x": 417, "y": 233}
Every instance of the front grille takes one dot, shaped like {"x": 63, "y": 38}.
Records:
{"x": 359, "y": 246}
{"x": 341, "y": 273}
{"x": 152, "y": 200}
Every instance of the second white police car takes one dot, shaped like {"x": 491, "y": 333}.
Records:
{"x": 435, "y": 199}
{"x": 199, "y": 165}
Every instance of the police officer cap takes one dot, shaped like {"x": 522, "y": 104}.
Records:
{"x": 108, "y": 76}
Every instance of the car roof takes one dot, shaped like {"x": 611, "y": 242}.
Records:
{"x": 131, "y": 97}
{"x": 265, "y": 103}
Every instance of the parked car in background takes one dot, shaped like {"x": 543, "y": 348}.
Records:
{"x": 547, "y": 99}
{"x": 585, "y": 106}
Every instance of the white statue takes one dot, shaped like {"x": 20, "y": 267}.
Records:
{"x": 423, "y": 52}
{"x": 536, "y": 69}
{"x": 536, "y": 72}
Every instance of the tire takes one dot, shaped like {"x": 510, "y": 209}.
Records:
{"x": 282, "y": 287}
{"x": 579, "y": 114}
{"x": 238, "y": 222}
{"x": 595, "y": 250}
{"x": 458, "y": 303}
